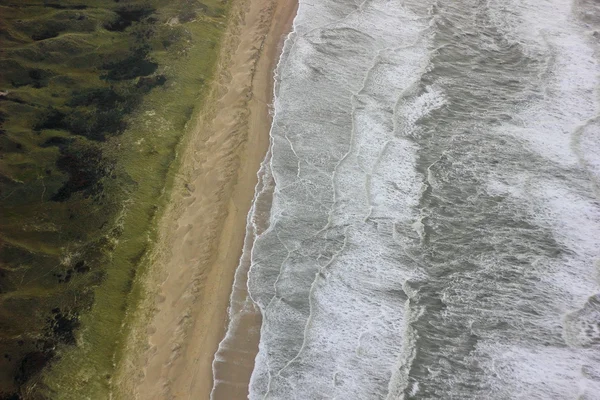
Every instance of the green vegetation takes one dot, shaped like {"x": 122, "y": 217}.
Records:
{"x": 94, "y": 99}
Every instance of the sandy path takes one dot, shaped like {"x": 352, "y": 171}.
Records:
{"x": 201, "y": 235}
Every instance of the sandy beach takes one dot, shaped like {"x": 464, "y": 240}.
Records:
{"x": 180, "y": 324}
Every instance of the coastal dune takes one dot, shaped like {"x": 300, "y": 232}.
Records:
{"x": 177, "y": 328}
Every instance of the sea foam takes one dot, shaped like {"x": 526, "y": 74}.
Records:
{"x": 434, "y": 226}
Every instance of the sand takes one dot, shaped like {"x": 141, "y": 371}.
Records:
{"x": 183, "y": 317}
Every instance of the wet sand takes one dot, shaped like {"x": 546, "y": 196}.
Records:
{"x": 180, "y": 324}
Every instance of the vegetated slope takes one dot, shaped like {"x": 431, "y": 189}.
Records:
{"x": 94, "y": 97}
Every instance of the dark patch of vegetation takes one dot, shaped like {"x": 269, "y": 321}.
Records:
{"x": 58, "y": 141}
{"x": 10, "y": 396}
{"x": 11, "y": 98}
{"x": 136, "y": 64}
{"x": 64, "y": 277}
{"x": 32, "y": 364}
{"x": 44, "y": 34}
{"x": 188, "y": 11}
{"x": 85, "y": 167}
{"x": 148, "y": 83}
{"x": 8, "y": 145}
{"x": 64, "y": 21}
{"x": 39, "y": 77}
{"x": 2, "y": 121}
{"x": 95, "y": 124}
{"x": 66, "y": 7}
{"x": 63, "y": 326}
{"x": 126, "y": 16}
{"x": 98, "y": 97}
{"x": 100, "y": 111}
{"x": 18, "y": 75}
{"x": 173, "y": 35}
{"x": 81, "y": 267}
{"x": 97, "y": 112}
{"x": 50, "y": 119}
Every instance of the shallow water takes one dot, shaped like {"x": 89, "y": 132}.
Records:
{"x": 435, "y": 223}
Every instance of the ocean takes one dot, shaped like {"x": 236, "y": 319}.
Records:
{"x": 427, "y": 221}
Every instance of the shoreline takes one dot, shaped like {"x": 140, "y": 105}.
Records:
{"x": 178, "y": 327}
{"x": 234, "y": 359}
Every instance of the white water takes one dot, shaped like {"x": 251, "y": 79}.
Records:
{"x": 435, "y": 224}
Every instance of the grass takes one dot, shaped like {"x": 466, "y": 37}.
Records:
{"x": 98, "y": 102}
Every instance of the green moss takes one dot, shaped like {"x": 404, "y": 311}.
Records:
{"x": 95, "y": 97}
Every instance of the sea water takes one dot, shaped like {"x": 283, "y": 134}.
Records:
{"x": 434, "y": 229}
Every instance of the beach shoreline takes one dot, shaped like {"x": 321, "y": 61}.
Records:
{"x": 177, "y": 328}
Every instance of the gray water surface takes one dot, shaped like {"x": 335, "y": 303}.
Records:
{"x": 435, "y": 226}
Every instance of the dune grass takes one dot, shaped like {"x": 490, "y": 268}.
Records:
{"x": 94, "y": 100}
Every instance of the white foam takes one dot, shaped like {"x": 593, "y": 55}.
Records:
{"x": 332, "y": 272}
{"x": 547, "y": 29}
{"x": 330, "y": 301}
{"x": 540, "y": 372}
